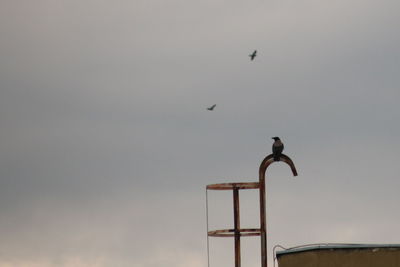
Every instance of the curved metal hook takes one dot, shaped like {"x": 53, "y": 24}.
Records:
{"x": 263, "y": 224}
{"x": 270, "y": 159}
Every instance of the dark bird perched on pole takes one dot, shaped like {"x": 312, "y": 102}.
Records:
{"x": 212, "y": 107}
{"x": 252, "y": 56}
{"x": 277, "y": 148}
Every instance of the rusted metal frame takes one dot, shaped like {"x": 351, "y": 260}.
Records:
{"x": 237, "y": 232}
{"x": 236, "y": 214}
{"x": 231, "y": 232}
{"x": 268, "y": 160}
{"x": 231, "y": 186}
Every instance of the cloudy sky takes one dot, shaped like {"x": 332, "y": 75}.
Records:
{"x": 106, "y": 145}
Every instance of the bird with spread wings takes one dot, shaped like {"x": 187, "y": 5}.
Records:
{"x": 253, "y": 55}
{"x": 212, "y": 107}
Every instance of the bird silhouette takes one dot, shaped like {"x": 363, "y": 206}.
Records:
{"x": 277, "y": 148}
{"x": 252, "y": 56}
{"x": 212, "y": 107}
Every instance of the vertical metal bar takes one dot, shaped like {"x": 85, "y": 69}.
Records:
{"x": 263, "y": 224}
{"x": 263, "y": 217}
{"x": 236, "y": 215}
{"x": 208, "y": 238}
{"x": 263, "y": 213}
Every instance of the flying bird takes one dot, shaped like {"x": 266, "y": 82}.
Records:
{"x": 277, "y": 148}
{"x": 212, "y": 107}
{"x": 252, "y": 56}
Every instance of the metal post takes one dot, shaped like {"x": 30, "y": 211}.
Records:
{"x": 263, "y": 214}
{"x": 263, "y": 226}
{"x": 237, "y": 232}
{"x": 236, "y": 215}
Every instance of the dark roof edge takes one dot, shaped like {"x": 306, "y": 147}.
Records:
{"x": 333, "y": 246}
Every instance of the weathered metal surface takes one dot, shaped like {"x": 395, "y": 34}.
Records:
{"x": 237, "y": 232}
{"x": 236, "y": 222}
{"x": 268, "y": 160}
{"x": 231, "y": 232}
{"x": 332, "y": 246}
{"x": 231, "y": 186}
{"x": 340, "y": 255}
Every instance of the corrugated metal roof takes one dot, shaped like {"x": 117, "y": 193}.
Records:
{"x": 333, "y": 246}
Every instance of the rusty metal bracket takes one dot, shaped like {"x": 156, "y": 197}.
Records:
{"x": 263, "y": 213}
{"x": 238, "y": 232}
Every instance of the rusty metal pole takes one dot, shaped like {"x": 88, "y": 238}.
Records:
{"x": 263, "y": 214}
{"x": 236, "y": 214}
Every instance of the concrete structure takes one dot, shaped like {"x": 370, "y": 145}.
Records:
{"x": 340, "y": 255}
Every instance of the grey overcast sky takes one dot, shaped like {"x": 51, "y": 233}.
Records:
{"x": 106, "y": 145}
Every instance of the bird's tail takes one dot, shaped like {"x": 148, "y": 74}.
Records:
{"x": 277, "y": 158}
